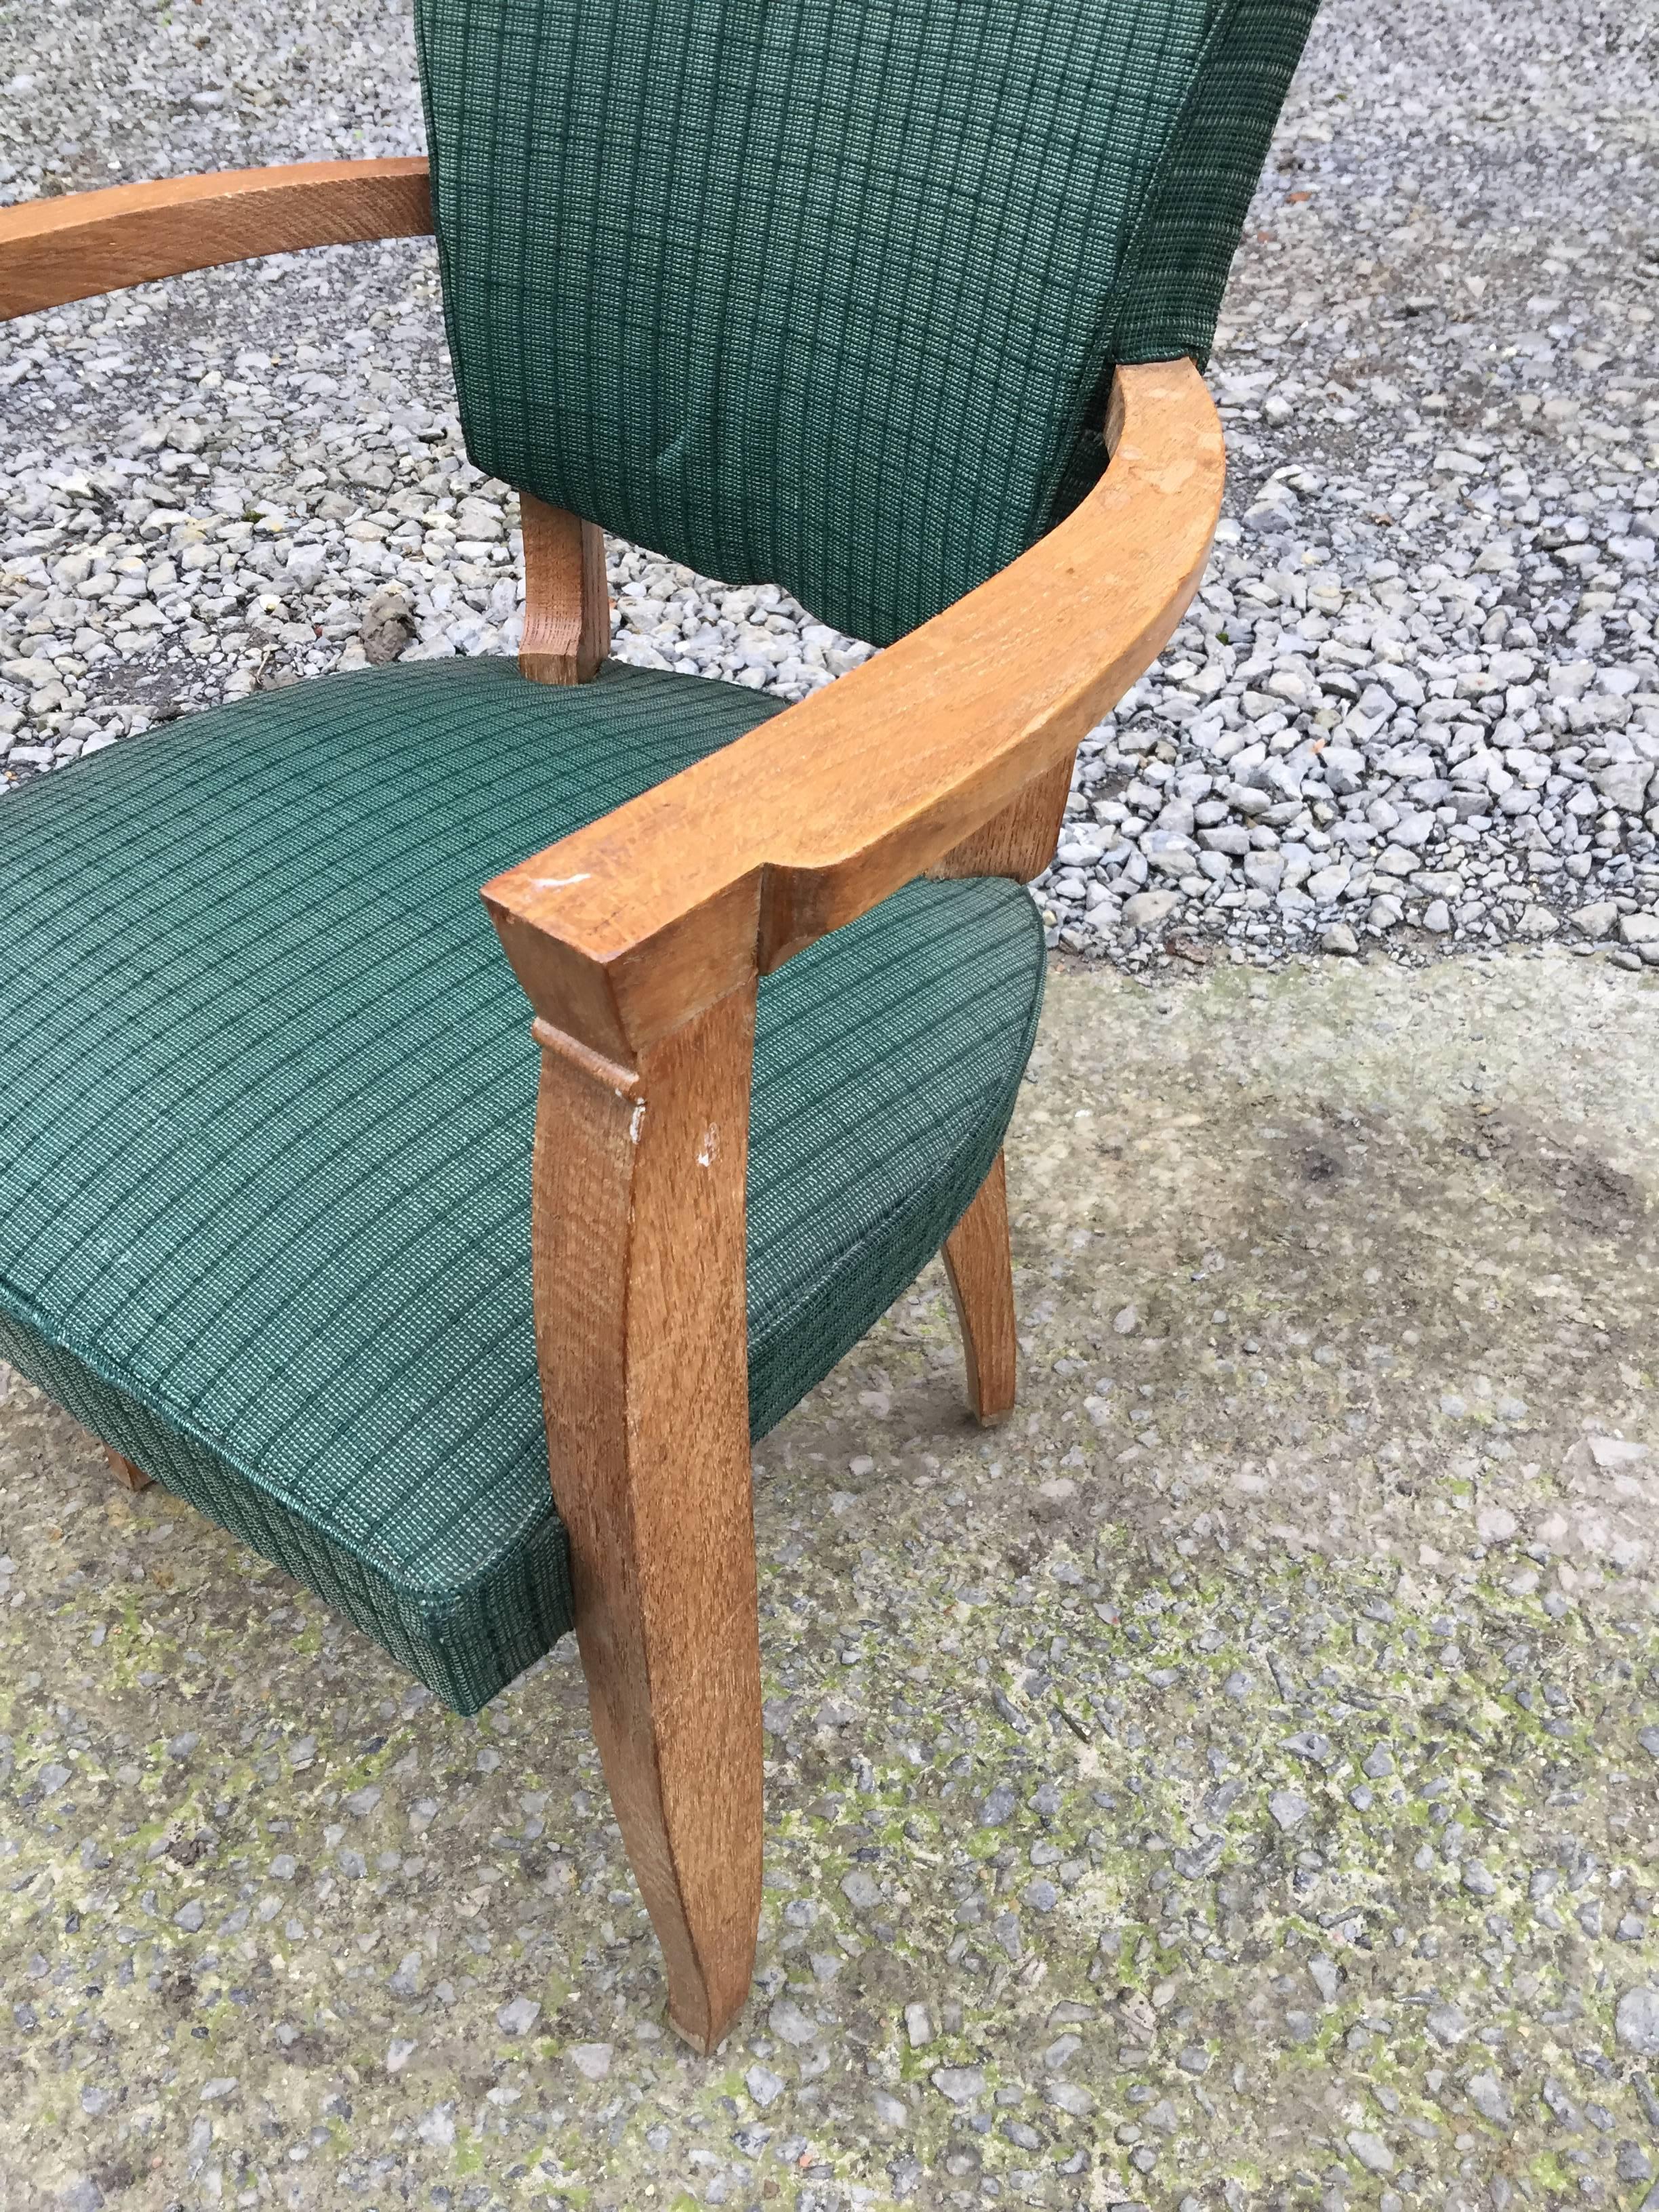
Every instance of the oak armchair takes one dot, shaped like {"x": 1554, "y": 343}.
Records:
{"x": 272, "y": 1224}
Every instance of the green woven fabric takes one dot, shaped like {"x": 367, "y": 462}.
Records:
{"x": 824, "y": 292}
{"x": 267, "y": 1089}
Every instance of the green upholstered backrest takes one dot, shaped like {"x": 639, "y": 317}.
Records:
{"x": 824, "y": 292}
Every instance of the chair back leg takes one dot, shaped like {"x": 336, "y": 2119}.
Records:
{"x": 129, "y": 1476}
{"x": 980, "y": 1264}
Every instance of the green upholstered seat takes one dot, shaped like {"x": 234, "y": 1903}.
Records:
{"x": 268, "y": 1089}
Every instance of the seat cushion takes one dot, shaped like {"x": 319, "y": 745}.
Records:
{"x": 267, "y": 1094}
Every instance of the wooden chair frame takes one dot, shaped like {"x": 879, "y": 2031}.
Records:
{"x": 640, "y": 942}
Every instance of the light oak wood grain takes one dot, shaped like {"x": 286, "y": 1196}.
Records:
{"x": 640, "y": 1324}
{"x": 82, "y": 243}
{"x": 980, "y": 1266}
{"x": 626, "y": 929}
{"x": 566, "y": 599}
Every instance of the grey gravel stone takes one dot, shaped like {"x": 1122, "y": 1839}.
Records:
{"x": 1597, "y": 920}
{"x": 763, "y": 2086}
{"x": 1486, "y": 2094}
{"x": 1148, "y": 910}
{"x": 1636, "y": 2022}
{"x": 1370, "y": 2150}
{"x": 1070, "y": 2097}
{"x": 790, "y": 2024}
{"x": 999, "y": 1806}
{"x": 1316, "y": 1749}
{"x": 591, "y": 2060}
{"x": 1288, "y": 1807}
{"x": 1199, "y": 1863}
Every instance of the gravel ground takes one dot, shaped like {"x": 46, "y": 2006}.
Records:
{"x": 1416, "y": 703}
{"x": 1232, "y": 1788}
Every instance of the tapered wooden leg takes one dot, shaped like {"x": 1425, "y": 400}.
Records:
{"x": 642, "y": 1331}
{"x": 979, "y": 1265}
{"x": 129, "y": 1476}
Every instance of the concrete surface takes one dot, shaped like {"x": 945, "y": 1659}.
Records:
{"x": 1231, "y": 1783}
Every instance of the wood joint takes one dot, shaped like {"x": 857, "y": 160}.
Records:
{"x": 1019, "y": 840}
{"x": 624, "y": 1081}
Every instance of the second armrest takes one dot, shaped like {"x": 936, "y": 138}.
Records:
{"x": 624, "y": 931}
{"x": 52, "y": 250}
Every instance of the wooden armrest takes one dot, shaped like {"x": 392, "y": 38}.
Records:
{"x": 70, "y": 248}
{"x": 626, "y": 930}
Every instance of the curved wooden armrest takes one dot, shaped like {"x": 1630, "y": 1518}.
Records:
{"x": 56, "y": 250}
{"x": 624, "y": 932}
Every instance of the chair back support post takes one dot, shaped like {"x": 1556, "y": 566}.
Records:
{"x": 567, "y": 598}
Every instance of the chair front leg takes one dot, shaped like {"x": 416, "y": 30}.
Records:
{"x": 641, "y": 1331}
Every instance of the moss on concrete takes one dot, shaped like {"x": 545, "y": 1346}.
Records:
{"x": 1339, "y": 1295}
